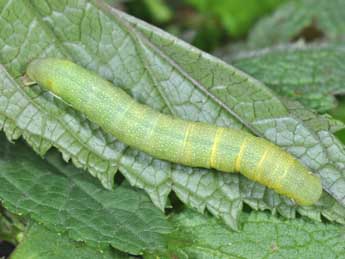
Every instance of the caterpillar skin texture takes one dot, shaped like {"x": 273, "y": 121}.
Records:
{"x": 165, "y": 137}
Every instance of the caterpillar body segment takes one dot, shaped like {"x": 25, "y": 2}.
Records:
{"x": 169, "y": 138}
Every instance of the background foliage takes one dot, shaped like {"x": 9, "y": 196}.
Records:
{"x": 293, "y": 47}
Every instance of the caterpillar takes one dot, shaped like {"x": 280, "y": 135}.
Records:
{"x": 194, "y": 144}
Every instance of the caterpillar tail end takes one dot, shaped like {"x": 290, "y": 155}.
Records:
{"x": 310, "y": 192}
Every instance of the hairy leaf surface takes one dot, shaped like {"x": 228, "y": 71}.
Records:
{"x": 40, "y": 243}
{"x": 163, "y": 72}
{"x": 312, "y": 75}
{"x": 65, "y": 199}
{"x": 263, "y": 236}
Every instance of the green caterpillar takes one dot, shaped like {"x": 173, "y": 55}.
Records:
{"x": 189, "y": 143}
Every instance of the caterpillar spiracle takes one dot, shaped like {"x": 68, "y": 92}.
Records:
{"x": 169, "y": 138}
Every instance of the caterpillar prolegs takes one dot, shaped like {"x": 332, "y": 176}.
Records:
{"x": 169, "y": 138}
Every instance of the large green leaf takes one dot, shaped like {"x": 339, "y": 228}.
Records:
{"x": 263, "y": 236}
{"x": 165, "y": 73}
{"x": 306, "y": 19}
{"x": 310, "y": 74}
{"x": 67, "y": 200}
{"x": 40, "y": 243}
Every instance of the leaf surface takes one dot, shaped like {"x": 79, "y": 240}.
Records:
{"x": 164, "y": 73}
{"x": 65, "y": 199}
{"x": 310, "y": 74}
{"x": 263, "y": 236}
{"x": 40, "y": 243}
{"x": 301, "y": 19}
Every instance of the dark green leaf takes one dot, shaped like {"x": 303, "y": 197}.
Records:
{"x": 40, "y": 243}
{"x": 312, "y": 75}
{"x": 263, "y": 236}
{"x": 67, "y": 200}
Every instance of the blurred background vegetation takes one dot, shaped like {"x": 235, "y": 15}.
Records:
{"x": 206, "y": 24}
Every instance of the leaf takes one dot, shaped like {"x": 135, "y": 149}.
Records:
{"x": 67, "y": 200}
{"x": 304, "y": 19}
{"x": 310, "y": 74}
{"x": 263, "y": 236}
{"x": 317, "y": 122}
{"x": 162, "y": 72}
{"x": 40, "y": 243}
